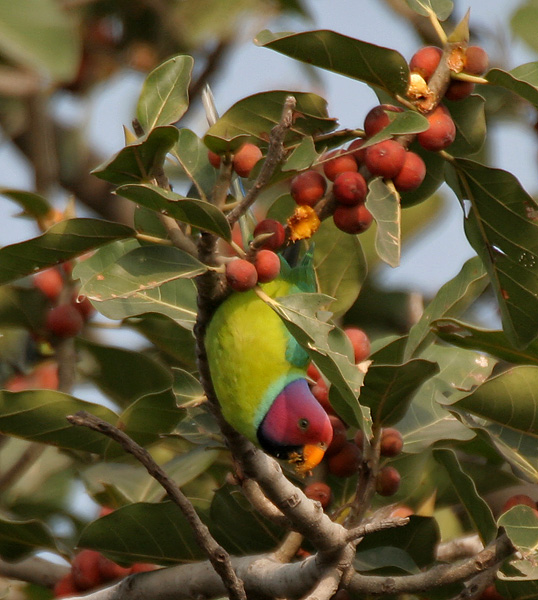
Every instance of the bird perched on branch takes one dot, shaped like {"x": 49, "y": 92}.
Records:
{"x": 259, "y": 373}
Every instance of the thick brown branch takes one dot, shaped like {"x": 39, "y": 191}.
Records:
{"x": 275, "y": 154}
{"x": 34, "y": 570}
{"x": 436, "y": 577}
{"x": 264, "y": 577}
{"x": 218, "y": 557}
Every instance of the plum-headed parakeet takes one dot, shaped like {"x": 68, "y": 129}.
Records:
{"x": 259, "y": 374}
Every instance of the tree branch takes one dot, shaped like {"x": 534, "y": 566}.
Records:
{"x": 435, "y": 577}
{"x": 218, "y": 557}
{"x": 368, "y": 528}
{"x": 265, "y": 577}
{"x": 34, "y": 570}
{"x": 275, "y": 153}
{"x": 19, "y": 468}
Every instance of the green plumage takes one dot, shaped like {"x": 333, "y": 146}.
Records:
{"x": 251, "y": 354}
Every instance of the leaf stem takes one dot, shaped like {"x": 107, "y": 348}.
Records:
{"x": 437, "y": 27}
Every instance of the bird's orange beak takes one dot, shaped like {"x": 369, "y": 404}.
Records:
{"x": 311, "y": 456}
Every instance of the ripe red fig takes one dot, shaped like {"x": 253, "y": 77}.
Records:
{"x": 412, "y": 173}
{"x": 338, "y": 164}
{"x": 267, "y": 265}
{"x": 360, "y": 342}
{"x": 377, "y": 119}
{"x": 50, "y": 283}
{"x": 241, "y": 275}
{"x": 308, "y": 187}
{"x": 346, "y": 462}
{"x": 64, "y": 321}
{"x": 319, "y": 491}
{"x": 245, "y": 158}
{"x": 441, "y": 132}
{"x": 425, "y": 61}
{"x": 387, "y": 481}
{"x": 352, "y": 219}
{"x": 276, "y": 229}
{"x": 350, "y": 188}
{"x": 385, "y": 159}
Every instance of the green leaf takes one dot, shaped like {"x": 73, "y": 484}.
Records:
{"x": 442, "y": 8}
{"x": 401, "y": 123}
{"x": 517, "y": 580}
{"x": 255, "y": 116}
{"x": 518, "y": 449}
{"x": 33, "y": 204}
{"x": 435, "y": 170}
{"x": 147, "y": 419}
{"x": 124, "y": 375}
{"x": 58, "y": 244}
{"x": 523, "y": 23}
{"x": 389, "y": 389}
{"x": 330, "y": 353}
{"x": 427, "y": 421}
{"x": 191, "y": 154}
{"x": 521, "y": 526}
{"x": 452, "y": 299}
{"x": 470, "y": 120}
{"x": 418, "y": 538}
{"x": 477, "y": 509}
{"x": 21, "y": 307}
{"x": 175, "y": 299}
{"x": 238, "y": 527}
{"x": 188, "y": 210}
{"x": 353, "y": 58}
{"x": 165, "y": 94}
{"x": 340, "y": 266}
{"x": 385, "y": 560}
{"x": 384, "y": 204}
{"x": 302, "y": 157}
{"x": 40, "y": 35}
{"x": 137, "y": 161}
{"x": 495, "y": 343}
{"x": 523, "y": 81}
{"x": 141, "y": 269}
{"x": 18, "y": 539}
{"x": 137, "y": 485}
{"x": 169, "y": 337}
{"x": 502, "y": 227}
{"x": 200, "y": 428}
{"x": 509, "y": 399}
{"x": 187, "y": 388}
{"x": 40, "y": 416}
{"x": 142, "y": 532}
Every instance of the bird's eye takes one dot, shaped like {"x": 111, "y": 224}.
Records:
{"x": 303, "y": 424}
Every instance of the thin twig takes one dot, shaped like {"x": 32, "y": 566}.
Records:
{"x": 217, "y": 555}
{"x": 367, "y": 479}
{"x": 368, "y": 528}
{"x": 32, "y": 452}
{"x": 213, "y": 61}
{"x": 275, "y": 154}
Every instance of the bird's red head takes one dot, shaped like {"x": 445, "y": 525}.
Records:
{"x": 296, "y": 427}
